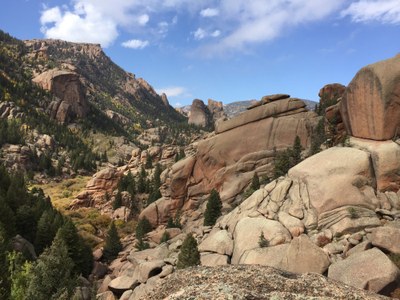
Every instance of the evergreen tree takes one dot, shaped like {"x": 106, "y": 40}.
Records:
{"x": 296, "y": 151}
{"x": 255, "y": 182}
{"x": 142, "y": 228}
{"x": 45, "y": 232}
{"x": 7, "y": 218}
{"x": 281, "y": 163}
{"x": 157, "y": 176}
{"x": 149, "y": 162}
{"x": 113, "y": 244}
{"x": 52, "y": 276}
{"x": 26, "y": 222}
{"x": 142, "y": 181}
{"x": 213, "y": 209}
{"x": 189, "y": 255}
{"x": 4, "y": 275}
{"x": 78, "y": 250}
{"x": 117, "y": 201}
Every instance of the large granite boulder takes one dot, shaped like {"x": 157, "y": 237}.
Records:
{"x": 370, "y": 104}
{"x": 66, "y": 86}
{"x": 371, "y": 270}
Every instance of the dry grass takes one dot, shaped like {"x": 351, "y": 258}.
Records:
{"x": 62, "y": 193}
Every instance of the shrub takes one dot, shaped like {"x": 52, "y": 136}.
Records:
{"x": 165, "y": 237}
{"x": 213, "y": 209}
{"x": 263, "y": 242}
{"x": 189, "y": 255}
{"x": 352, "y": 212}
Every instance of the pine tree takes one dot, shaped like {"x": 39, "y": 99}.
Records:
{"x": 149, "y": 162}
{"x": 4, "y": 274}
{"x": 113, "y": 244}
{"x": 52, "y": 276}
{"x": 142, "y": 228}
{"x": 189, "y": 255}
{"x": 45, "y": 232}
{"x": 26, "y": 222}
{"x": 7, "y": 218}
{"x": 117, "y": 201}
{"x": 78, "y": 250}
{"x": 296, "y": 151}
{"x": 213, "y": 209}
{"x": 255, "y": 182}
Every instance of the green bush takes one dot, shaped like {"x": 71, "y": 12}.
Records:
{"x": 189, "y": 255}
{"x": 213, "y": 209}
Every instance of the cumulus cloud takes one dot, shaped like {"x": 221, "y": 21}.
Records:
{"x": 201, "y": 33}
{"x": 173, "y": 91}
{"x": 83, "y": 24}
{"x": 143, "y": 19}
{"x": 135, "y": 44}
{"x": 209, "y": 12}
{"x": 384, "y": 11}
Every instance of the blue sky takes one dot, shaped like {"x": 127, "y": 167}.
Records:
{"x": 225, "y": 50}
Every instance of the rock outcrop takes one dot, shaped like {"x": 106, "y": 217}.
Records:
{"x": 227, "y": 160}
{"x": 335, "y": 204}
{"x": 225, "y": 282}
{"x": 331, "y": 91}
{"x": 370, "y": 104}
{"x": 66, "y": 86}
{"x": 199, "y": 114}
{"x": 216, "y": 109}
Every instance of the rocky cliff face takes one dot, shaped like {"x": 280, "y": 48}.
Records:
{"x": 71, "y": 102}
{"x": 228, "y": 160}
{"x": 105, "y": 84}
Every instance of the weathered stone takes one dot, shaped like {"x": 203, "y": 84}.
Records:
{"x": 339, "y": 181}
{"x": 387, "y": 238}
{"x": 385, "y": 157}
{"x": 303, "y": 256}
{"x": 370, "y": 269}
{"x": 219, "y": 242}
{"x": 370, "y": 103}
{"x": 363, "y": 246}
{"x": 247, "y": 234}
{"x": 294, "y": 225}
{"x": 121, "y": 284}
{"x": 214, "y": 259}
{"x": 105, "y": 296}
{"x": 149, "y": 269}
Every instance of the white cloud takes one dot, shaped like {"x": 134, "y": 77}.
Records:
{"x": 173, "y": 91}
{"x": 216, "y": 33}
{"x": 384, "y": 11}
{"x": 143, "y": 19}
{"x": 83, "y": 24}
{"x": 199, "y": 34}
{"x": 51, "y": 15}
{"x": 258, "y": 21}
{"x": 135, "y": 44}
{"x": 209, "y": 12}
